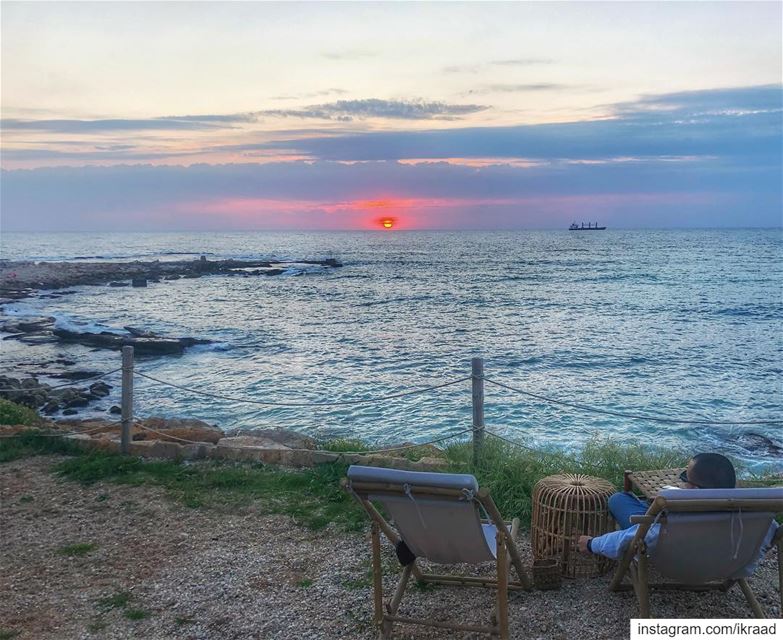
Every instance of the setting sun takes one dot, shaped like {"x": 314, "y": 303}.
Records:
{"x": 387, "y": 223}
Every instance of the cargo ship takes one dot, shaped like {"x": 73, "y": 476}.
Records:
{"x": 590, "y": 227}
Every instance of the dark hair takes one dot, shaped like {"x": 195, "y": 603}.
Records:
{"x": 713, "y": 471}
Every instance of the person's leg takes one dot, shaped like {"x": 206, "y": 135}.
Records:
{"x": 624, "y": 505}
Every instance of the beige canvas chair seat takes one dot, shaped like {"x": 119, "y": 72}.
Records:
{"x": 446, "y": 519}
{"x": 703, "y": 538}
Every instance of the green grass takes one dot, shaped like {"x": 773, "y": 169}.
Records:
{"x": 313, "y": 497}
{"x": 76, "y": 550}
{"x": 304, "y": 583}
{"x": 136, "y": 614}
{"x": 119, "y": 600}
{"x": 343, "y": 445}
{"x": 7, "y": 634}
{"x": 510, "y": 473}
{"x": 354, "y": 445}
{"x": 35, "y": 443}
{"x": 13, "y": 413}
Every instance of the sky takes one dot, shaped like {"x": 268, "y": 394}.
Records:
{"x": 248, "y": 116}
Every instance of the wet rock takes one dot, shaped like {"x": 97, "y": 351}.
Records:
{"x": 78, "y": 401}
{"x": 759, "y": 443}
{"x": 100, "y": 389}
{"x": 139, "y": 333}
{"x": 70, "y": 412}
{"x": 115, "y": 410}
{"x": 119, "y": 284}
{"x": 139, "y": 282}
{"x": 145, "y": 346}
{"x": 51, "y": 407}
{"x": 79, "y": 374}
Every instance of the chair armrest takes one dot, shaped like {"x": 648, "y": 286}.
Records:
{"x": 645, "y": 519}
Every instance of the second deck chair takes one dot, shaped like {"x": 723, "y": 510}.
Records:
{"x": 706, "y": 539}
{"x": 437, "y": 516}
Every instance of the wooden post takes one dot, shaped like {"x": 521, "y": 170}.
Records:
{"x": 477, "y": 375}
{"x": 127, "y": 399}
{"x": 377, "y": 575}
{"x": 502, "y": 593}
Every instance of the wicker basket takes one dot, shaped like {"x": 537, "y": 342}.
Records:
{"x": 565, "y": 507}
{"x": 546, "y": 574}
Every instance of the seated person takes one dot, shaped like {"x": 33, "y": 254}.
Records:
{"x": 705, "y": 471}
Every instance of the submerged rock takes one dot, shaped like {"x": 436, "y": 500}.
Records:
{"x": 759, "y": 443}
{"x": 147, "y": 345}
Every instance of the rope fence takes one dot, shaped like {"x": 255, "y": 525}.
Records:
{"x": 630, "y": 416}
{"x": 477, "y": 378}
{"x": 333, "y": 403}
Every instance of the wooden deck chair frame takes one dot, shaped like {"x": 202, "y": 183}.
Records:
{"x": 385, "y": 614}
{"x": 635, "y": 562}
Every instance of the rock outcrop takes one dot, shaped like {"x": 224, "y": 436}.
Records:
{"x": 23, "y": 278}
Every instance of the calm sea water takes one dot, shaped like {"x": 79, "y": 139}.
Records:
{"x": 670, "y": 323}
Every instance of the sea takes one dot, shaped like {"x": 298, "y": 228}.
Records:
{"x": 671, "y": 324}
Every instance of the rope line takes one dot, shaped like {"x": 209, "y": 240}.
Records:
{"x": 302, "y": 404}
{"x": 62, "y": 386}
{"x": 581, "y": 465}
{"x": 633, "y": 416}
{"x": 166, "y": 435}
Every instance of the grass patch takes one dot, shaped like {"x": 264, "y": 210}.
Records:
{"x": 354, "y": 445}
{"x": 119, "y": 600}
{"x": 345, "y": 445}
{"x": 136, "y": 614}
{"x": 7, "y": 634}
{"x": 510, "y": 473}
{"x": 13, "y": 413}
{"x": 304, "y": 583}
{"x": 77, "y": 550}
{"x": 313, "y": 497}
{"x": 35, "y": 443}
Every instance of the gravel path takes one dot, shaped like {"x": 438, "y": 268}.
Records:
{"x": 206, "y": 574}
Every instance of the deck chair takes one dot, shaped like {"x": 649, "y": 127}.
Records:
{"x": 437, "y": 516}
{"x": 706, "y": 539}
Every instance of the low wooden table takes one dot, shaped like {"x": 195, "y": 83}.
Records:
{"x": 650, "y": 483}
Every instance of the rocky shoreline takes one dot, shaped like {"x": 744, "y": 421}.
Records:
{"x": 44, "y": 329}
{"x": 22, "y": 279}
{"x": 52, "y": 280}
{"x": 192, "y": 439}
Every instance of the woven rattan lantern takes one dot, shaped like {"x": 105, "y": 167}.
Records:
{"x": 565, "y": 507}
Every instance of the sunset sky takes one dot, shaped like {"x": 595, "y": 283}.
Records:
{"x": 201, "y": 116}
